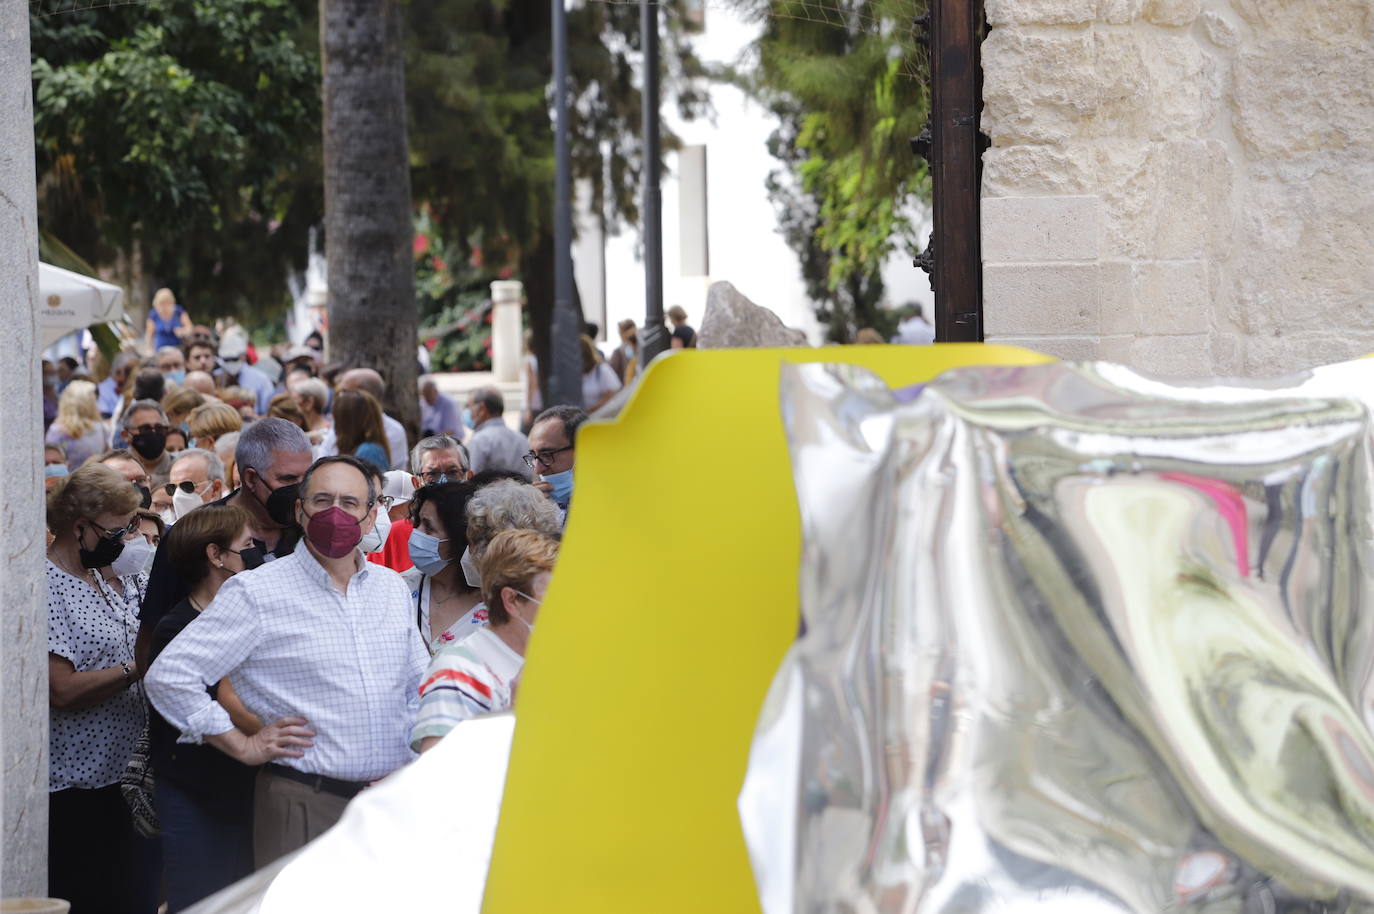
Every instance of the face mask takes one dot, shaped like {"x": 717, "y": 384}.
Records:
{"x": 374, "y": 539}
{"x": 467, "y": 418}
{"x": 145, "y": 496}
{"x": 470, "y": 569}
{"x": 252, "y": 557}
{"x": 106, "y": 550}
{"x": 149, "y": 445}
{"x": 176, "y": 377}
{"x": 281, "y": 504}
{"x": 424, "y": 552}
{"x": 333, "y": 531}
{"x": 528, "y": 625}
{"x": 562, "y": 487}
{"x": 135, "y": 558}
{"x": 55, "y": 469}
{"x": 232, "y": 367}
{"x": 169, "y": 516}
{"x": 184, "y": 503}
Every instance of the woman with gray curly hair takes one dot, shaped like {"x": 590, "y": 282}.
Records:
{"x": 505, "y": 505}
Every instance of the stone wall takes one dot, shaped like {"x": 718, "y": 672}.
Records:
{"x": 1185, "y": 186}
{"x": 23, "y": 614}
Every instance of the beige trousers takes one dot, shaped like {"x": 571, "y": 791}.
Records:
{"x": 288, "y": 815}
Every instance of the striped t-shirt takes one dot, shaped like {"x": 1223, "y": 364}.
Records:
{"x": 470, "y": 677}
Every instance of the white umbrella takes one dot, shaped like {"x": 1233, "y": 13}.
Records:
{"x": 68, "y": 301}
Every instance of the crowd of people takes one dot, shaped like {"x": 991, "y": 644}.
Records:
{"x": 262, "y": 600}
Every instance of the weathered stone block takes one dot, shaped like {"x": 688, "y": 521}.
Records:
{"x": 1220, "y": 30}
{"x": 1032, "y": 299}
{"x": 732, "y": 321}
{"x": 1172, "y": 356}
{"x": 1045, "y": 228}
{"x": 1116, "y": 298}
{"x": 1018, "y": 170}
{"x": 1119, "y": 12}
{"x": 1173, "y": 297}
{"x": 1021, "y": 105}
{"x": 1172, "y": 12}
{"x": 1323, "y": 21}
{"x": 1069, "y": 348}
{"x": 1294, "y": 99}
{"x": 1040, "y": 12}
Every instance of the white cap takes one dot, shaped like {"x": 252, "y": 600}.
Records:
{"x": 399, "y": 484}
{"x": 302, "y": 352}
{"x": 233, "y": 347}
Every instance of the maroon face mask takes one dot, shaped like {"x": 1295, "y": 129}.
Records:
{"x": 334, "y": 532}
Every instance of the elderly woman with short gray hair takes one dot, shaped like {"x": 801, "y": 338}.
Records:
{"x": 505, "y": 505}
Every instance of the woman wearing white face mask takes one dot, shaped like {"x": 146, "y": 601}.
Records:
{"x": 446, "y": 606}
{"x": 204, "y": 798}
{"x": 479, "y": 674}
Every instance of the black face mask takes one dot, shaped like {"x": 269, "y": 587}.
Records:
{"x": 145, "y": 495}
{"x": 281, "y": 504}
{"x": 107, "y": 549}
{"x": 149, "y": 445}
{"x": 252, "y": 557}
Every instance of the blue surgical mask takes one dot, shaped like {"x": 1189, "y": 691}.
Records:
{"x": 424, "y": 552}
{"x": 176, "y": 377}
{"x": 562, "y": 487}
{"x": 467, "y": 418}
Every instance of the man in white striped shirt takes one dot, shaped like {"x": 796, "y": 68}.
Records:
{"x": 320, "y": 646}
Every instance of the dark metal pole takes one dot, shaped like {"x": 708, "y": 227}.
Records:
{"x": 565, "y": 370}
{"x": 653, "y": 339}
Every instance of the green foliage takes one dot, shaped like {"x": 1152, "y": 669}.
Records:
{"x": 847, "y": 89}
{"x": 179, "y": 138}
{"x": 478, "y": 100}
{"x": 452, "y": 294}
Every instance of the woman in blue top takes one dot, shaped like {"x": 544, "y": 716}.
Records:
{"x": 167, "y": 323}
{"x": 358, "y": 427}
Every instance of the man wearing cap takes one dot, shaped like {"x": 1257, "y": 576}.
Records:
{"x": 398, "y": 486}
{"x": 235, "y": 372}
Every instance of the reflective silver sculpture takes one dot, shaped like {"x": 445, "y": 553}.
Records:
{"x": 1075, "y": 641}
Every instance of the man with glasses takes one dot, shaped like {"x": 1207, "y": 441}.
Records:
{"x": 197, "y": 478}
{"x": 321, "y": 646}
{"x": 126, "y": 464}
{"x": 552, "y": 451}
{"x": 435, "y": 459}
{"x": 145, "y": 430}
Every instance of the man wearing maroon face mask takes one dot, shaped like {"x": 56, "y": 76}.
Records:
{"x": 321, "y": 647}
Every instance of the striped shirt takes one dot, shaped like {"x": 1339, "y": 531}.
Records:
{"x": 293, "y": 645}
{"x": 472, "y": 677}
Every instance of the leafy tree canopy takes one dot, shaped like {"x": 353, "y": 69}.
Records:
{"x": 179, "y": 139}
{"x": 845, "y": 82}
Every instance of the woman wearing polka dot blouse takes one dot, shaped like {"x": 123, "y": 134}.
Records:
{"x": 95, "y": 859}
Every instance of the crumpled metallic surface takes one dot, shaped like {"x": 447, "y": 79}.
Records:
{"x": 1076, "y": 641}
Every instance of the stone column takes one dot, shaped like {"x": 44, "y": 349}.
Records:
{"x": 23, "y": 616}
{"x": 506, "y": 298}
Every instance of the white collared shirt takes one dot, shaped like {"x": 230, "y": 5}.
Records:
{"x": 293, "y": 645}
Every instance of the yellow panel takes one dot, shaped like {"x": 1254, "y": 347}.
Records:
{"x": 674, "y": 601}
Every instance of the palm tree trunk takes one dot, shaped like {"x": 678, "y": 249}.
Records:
{"x": 368, "y": 230}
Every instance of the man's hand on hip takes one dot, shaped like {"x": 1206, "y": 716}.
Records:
{"x": 288, "y": 737}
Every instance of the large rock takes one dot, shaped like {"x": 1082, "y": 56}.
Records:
{"x": 734, "y": 322}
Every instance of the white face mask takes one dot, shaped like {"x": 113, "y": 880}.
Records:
{"x": 183, "y": 503}
{"x": 169, "y": 516}
{"x": 232, "y": 367}
{"x": 470, "y": 569}
{"x": 136, "y": 557}
{"x": 374, "y": 539}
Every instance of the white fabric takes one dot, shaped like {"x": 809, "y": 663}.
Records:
{"x": 429, "y": 828}
{"x": 65, "y": 301}
{"x": 350, "y": 664}
{"x": 89, "y": 747}
{"x": 395, "y": 442}
{"x": 914, "y": 331}
{"x": 598, "y": 382}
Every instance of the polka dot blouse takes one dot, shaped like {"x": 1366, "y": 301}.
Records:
{"x": 94, "y": 630}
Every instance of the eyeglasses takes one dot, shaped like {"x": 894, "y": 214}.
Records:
{"x": 431, "y": 477}
{"x": 545, "y": 456}
{"x": 149, "y": 429}
{"x": 528, "y": 597}
{"x": 186, "y": 485}
{"x": 323, "y": 501}
{"x": 120, "y": 532}
{"x": 386, "y": 501}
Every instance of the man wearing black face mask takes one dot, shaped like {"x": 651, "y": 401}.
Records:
{"x": 145, "y": 430}
{"x": 272, "y": 456}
